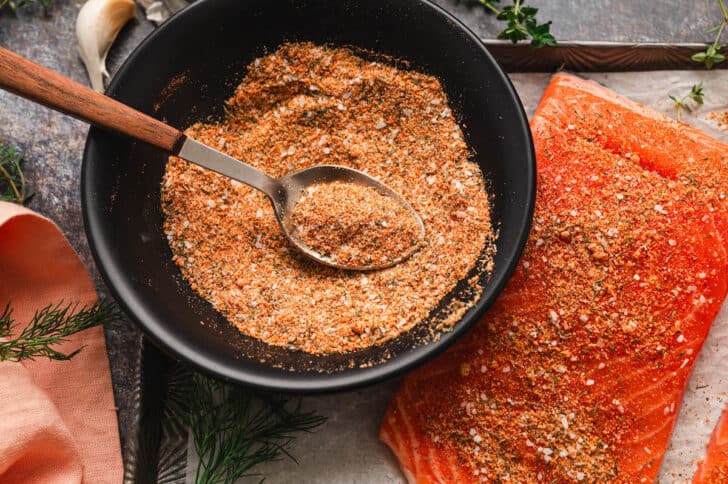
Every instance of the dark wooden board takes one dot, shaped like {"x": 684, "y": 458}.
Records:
{"x": 596, "y": 56}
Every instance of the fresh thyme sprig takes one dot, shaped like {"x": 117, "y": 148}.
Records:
{"x": 49, "y": 327}
{"x": 683, "y": 104}
{"x": 712, "y": 55}
{"x": 233, "y": 428}
{"x": 16, "y": 4}
{"x": 521, "y": 23}
{"x": 12, "y": 180}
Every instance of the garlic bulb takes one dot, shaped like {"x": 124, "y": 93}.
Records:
{"x": 97, "y": 25}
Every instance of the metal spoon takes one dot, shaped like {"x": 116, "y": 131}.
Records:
{"x": 47, "y": 87}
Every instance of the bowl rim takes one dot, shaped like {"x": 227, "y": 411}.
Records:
{"x": 310, "y": 383}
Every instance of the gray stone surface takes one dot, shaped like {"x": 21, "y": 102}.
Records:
{"x": 605, "y": 20}
{"x": 53, "y": 143}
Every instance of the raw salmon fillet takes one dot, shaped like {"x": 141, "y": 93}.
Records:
{"x": 714, "y": 469}
{"x": 655, "y": 141}
{"x": 577, "y": 371}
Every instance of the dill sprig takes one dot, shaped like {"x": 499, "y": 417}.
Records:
{"x": 48, "y": 327}
{"x": 16, "y": 4}
{"x": 683, "y": 104}
{"x": 712, "y": 55}
{"x": 521, "y": 23}
{"x": 234, "y": 428}
{"x": 12, "y": 179}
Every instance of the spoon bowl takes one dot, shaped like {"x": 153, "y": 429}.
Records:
{"x": 289, "y": 190}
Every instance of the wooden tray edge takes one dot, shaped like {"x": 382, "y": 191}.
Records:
{"x": 586, "y": 56}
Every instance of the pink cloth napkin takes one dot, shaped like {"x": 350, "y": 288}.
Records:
{"x": 57, "y": 418}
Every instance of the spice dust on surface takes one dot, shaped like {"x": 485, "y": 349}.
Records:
{"x": 306, "y": 105}
{"x": 721, "y": 118}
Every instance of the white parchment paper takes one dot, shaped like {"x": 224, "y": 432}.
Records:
{"x": 346, "y": 449}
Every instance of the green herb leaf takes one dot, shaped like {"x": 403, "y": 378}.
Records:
{"x": 540, "y": 34}
{"x": 49, "y": 327}
{"x": 16, "y": 4}
{"x": 12, "y": 179}
{"x": 521, "y": 23}
{"x": 711, "y": 55}
{"x": 714, "y": 29}
{"x": 233, "y": 428}
{"x": 696, "y": 95}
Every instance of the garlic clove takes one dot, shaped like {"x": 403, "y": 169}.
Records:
{"x": 97, "y": 25}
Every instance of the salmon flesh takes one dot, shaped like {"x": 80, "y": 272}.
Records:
{"x": 577, "y": 372}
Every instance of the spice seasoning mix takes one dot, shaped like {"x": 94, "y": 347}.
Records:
{"x": 306, "y": 105}
{"x": 354, "y": 225}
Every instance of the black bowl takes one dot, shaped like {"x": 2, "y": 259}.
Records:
{"x": 184, "y": 72}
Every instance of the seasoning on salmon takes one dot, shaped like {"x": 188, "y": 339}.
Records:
{"x": 354, "y": 225}
{"x": 576, "y": 374}
{"x": 714, "y": 468}
{"x": 306, "y": 105}
{"x": 654, "y": 141}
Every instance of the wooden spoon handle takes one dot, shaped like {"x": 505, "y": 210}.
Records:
{"x": 45, "y": 86}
